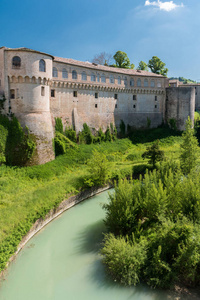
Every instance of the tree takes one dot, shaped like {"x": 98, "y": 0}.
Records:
{"x": 103, "y": 59}
{"x": 157, "y": 66}
{"x": 153, "y": 153}
{"x": 189, "y": 148}
{"x": 142, "y": 66}
{"x": 122, "y": 60}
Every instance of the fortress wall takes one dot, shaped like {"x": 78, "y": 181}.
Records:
{"x": 108, "y": 110}
{"x": 180, "y": 103}
{"x": 2, "y": 71}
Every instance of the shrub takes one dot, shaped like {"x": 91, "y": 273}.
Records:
{"x": 62, "y": 143}
{"x": 58, "y": 125}
{"x": 108, "y": 137}
{"x": 101, "y": 135}
{"x": 70, "y": 134}
{"x": 154, "y": 154}
{"x": 122, "y": 127}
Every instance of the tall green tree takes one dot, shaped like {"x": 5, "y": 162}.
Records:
{"x": 154, "y": 154}
{"x": 157, "y": 66}
{"x": 122, "y": 60}
{"x": 189, "y": 148}
{"x": 142, "y": 66}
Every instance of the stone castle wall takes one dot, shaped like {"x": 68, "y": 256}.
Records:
{"x": 82, "y": 92}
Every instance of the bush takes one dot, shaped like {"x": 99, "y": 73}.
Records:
{"x": 62, "y": 144}
{"x": 70, "y": 134}
{"x": 108, "y": 136}
{"x": 58, "y": 125}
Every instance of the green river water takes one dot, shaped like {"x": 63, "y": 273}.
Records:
{"x": 62, "y": 262}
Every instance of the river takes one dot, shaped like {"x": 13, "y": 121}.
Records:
{"x": 62, "y": 262}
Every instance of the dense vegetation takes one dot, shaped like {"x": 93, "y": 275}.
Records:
{"x": 154, "y": 222}
{"x": 27, "y": 194}
{"x": 183, "y": 80}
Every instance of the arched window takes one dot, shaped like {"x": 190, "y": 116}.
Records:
{"x": 132, "y": 82}
{"x": 84, "y": 76}
{"x": 16, "y": 62}
{"x": 103, "y": 78}
{"x": 74, "y": 74}
{"x": 119, "y": 80}
{"x": 93, "y": 77}
{"x": 125, "y": 80}
{"x": 152, "y": 83}
{"x": 64, "y": 73}
{"x": 139, "y": 82}
{"x": 158, "y": 83}
{"x": 55, "y": 72}
{"x": 146, "y": 84}
{"x": 42, "y": 65}
{"x": 112, "y": 80}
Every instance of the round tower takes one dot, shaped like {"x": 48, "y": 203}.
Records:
{"x": 29, "y": 74}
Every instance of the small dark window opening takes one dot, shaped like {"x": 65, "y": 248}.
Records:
{"x": 12, "y": 94}
{"x": 134, "y": 106}
{"x": 95, "y": 105}
{"x": 42, "y": 91}
{"x": 96, "y": 95}
{"x": 115, "y": 105}
{"x": 155, "y": 106}
{"x": 16, "y": 62}
{"x": 156, "y": 98}
{"x": 134, "y": 97}
{"x": 116, "y": 96}
{"x": 167, "y": 98}
{"x": 75, "y": 93}
{"x": 52, "y": 93}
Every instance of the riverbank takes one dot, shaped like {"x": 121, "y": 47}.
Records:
{"x": 28, "y": 194}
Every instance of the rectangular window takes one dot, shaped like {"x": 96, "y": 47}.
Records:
{"x": 75, "y": 93}
{"x": 155, "y": 106}
{"x": 134, "y": 106}
{"x": 116, "y": 96}
{"x": 53, "y": 93}
{"x": 95, "y": 105}
{"x": 12, "y": 94}
{"x": 42, "y": 91}
{"x": 115, "y": 105}
{"x": 156, "y": 98}
{"x": 96, "y": 95}
{"x": 134, "y": 97}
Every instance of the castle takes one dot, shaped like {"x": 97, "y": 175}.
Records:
{"x": 39, "y": 87}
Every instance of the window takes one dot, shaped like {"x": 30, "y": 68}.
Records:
{"x": 159, "y": 83}
{"x": 42, "y": 91}
{"x": 132, "y": 82}
{"x": 134, "y": 106}
{"x": 156, "y": 98}
{"x": 12, "y": 94}
{"x": 125, "y": 80}
{"x": 84, "y": 76}
{"x": 16, "y": 62}
{"x": 96, "y": 95}
{"x": 115, "y": 105}
{"x": 152, "y": 83}
{"x": 64, "y": 73}
{"x": 42, "y": 65}
{"x": 119, "y": 80}
{"x": 139, "y": 82}
{"x": 55, "y": 72}
{"x": 75, "y": 93}
{"x": 95, "y": 105}
{"x": 93, "y": 77}
{"x": 155, "y": 106}
{"x": 74, "y": 74}
{"x": 98, "y": 77}
{"x": 146, "y": 84}
{"x": 112, "y": 80}
{"x": 116, "y": 96}
{"x": 134, "y": 97}
{"x": 103, "y": 78}
{"x": 53, "y": 93}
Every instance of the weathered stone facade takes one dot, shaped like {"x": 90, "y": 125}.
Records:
{"x": 39, "y": 87}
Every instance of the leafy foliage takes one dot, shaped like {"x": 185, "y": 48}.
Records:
{"x": 142, "y": 66}
{"x": 157, "y": 66}
{"x": 189, "y": 148}
{"x": 62, "y": 144}
{"x": 70, "y": 134}
{"x": 58, "y": 125}
{"x": 122, "y": 60}
{"x": 154, "y": 154}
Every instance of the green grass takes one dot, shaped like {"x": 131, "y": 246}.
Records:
{"x": 29, "y": 193}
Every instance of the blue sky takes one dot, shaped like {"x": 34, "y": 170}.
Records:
{"x": 80, "y": 29}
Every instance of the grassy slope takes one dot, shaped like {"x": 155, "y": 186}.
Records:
{"x": 29, "y": 193}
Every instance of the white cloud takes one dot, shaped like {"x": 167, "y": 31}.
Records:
{"x": 167, "y": 5}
